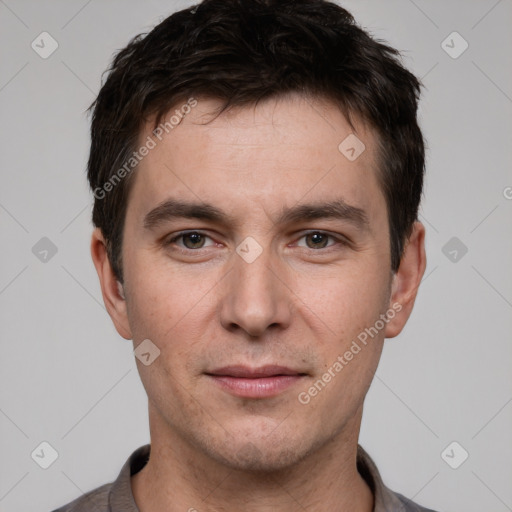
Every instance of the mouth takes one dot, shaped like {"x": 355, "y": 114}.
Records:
{"x": 262, "y": 382}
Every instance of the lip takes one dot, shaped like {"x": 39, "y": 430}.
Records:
{"x": 263, "y": 382}
{"x": 246, "y": 372}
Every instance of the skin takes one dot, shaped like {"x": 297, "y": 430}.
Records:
{"x": 296, "y": 305}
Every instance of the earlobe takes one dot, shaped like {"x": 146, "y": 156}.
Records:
{"x": 111, "y": 289}
{"x": 406, "y": 280}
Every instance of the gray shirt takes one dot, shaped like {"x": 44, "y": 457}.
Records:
{"x": 117, "y": 496}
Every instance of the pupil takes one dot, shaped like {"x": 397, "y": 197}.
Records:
{"x": 194, "y": 237}
{"x": 319, "y": 237}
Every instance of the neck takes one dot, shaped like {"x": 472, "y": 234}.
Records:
{"x": 178, "y": 477}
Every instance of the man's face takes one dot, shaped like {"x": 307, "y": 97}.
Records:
{"x": 257, "y": 289}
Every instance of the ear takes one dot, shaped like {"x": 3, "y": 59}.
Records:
{"x": 111, "y": 289}
{"x": 406, "y": 280}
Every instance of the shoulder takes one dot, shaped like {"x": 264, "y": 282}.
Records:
{"x": 410, "y": 506}
{"x": 96, "y": 500}
{"x": 113, "y": 496}
{"x": 386, "y": 500}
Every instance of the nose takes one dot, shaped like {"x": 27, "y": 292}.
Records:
{"x": 255, "y": 296}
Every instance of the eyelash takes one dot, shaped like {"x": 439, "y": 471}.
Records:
{"x": 339, "y": 241}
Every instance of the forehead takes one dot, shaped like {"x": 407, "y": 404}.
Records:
{"x": 279, "y": 152}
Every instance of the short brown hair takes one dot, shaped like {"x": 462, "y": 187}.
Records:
{"x": 243, "y": 51}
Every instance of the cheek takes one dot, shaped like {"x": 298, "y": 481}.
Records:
{"x": 343, "y": 301}
{"x": 350, "y": 350}
{"x": 172, "y": 309}
{"x": 153, "y": 307}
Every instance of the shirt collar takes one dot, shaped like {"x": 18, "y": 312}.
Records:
{"x": 121, "y": 496}
{"x": 384, "y": 499}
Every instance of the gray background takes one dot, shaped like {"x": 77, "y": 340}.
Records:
{"x": 68, "y": 379}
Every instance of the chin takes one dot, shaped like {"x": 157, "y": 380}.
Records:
{"x": 260, "y": 455}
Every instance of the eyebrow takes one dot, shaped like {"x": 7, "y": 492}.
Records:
{"x": 337, "y": 209}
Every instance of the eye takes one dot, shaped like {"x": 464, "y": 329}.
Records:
{"x": 319, "y": 240}
{"x": 194, "y": 240}
{"x": 191, "y": 240}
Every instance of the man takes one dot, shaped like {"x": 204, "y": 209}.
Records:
{"x": 257, "y": 169}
